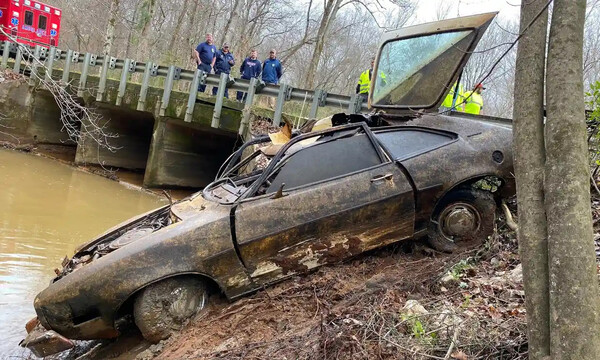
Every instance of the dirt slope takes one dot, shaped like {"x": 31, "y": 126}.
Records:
{"x": 396, "y": 303}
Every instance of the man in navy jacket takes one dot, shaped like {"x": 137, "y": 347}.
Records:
{"x": 250, "y": 69}
{"x": 272, "y": 69}
{"x": 205, "y": 55}
{"x": 224, "y": 62}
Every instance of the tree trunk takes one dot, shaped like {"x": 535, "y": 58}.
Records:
{"x": 175, "y": 36}
{"x": 529, "y": 159}
{"x": 233, "y": 15}
{"x": 574, "y": 292}
{"x": 109, "y": 38}
{"x": 146, "y": 18}
{"x": 329, "y": 14}
{"x": 131, "y": 32}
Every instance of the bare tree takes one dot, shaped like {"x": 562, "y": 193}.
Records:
{"x": 109, "y": 38}
{"x": 529, "y": 161}
{"x": 574, "y": 292}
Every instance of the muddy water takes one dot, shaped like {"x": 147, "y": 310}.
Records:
{"x": 46, "y": 210}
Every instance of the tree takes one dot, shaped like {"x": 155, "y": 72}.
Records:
{"x": 529, "y": 162}
{"x": 555, "y": 235}
{"x": 109, "y": 38}
{"x": 574, "y": 292}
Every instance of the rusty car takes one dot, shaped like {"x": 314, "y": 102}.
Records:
{"x": 322, "y": 197}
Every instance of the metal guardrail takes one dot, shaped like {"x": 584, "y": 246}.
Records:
{"x": 283, "y": 92}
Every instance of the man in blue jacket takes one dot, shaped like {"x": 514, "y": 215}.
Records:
{"x": 272, "y": 69}
{"x": 205, "y": 55}
{"x": 224, "y": 62}
{"x": 250, "y": 69}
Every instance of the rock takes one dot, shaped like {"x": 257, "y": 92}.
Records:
{"x": 448, "y": 278}
{"x": 516, "y": 274}
{"x": 447, "y": 318}
{"x": 413, "y": 307}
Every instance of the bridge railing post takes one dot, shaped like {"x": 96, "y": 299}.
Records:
{"x": 108, "y": 62}
{"x": 33, "y": 77}
{"x": 317, "y": 101}
{"x": 127, "y": 66}
{"x": 88, "y": 60}
{"x": 18, "y": 58}
{"x": 5, "y": 54}
{"x": 50, "y": 64}
{"x": 355, "y": 104}
{"x": 216, "y": 119}
{"x": 284, "y": 93}
{"x": 189, "y": 111}
{"x": 172, "y": 74}
{"x": 247, "y": 112}
{"x": 67, "y": 67}
{"x": 141, "y": 106}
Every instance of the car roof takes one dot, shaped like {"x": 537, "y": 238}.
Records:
{"x": 462, "y": 126}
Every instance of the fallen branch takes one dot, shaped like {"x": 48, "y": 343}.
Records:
{"x": 452, "y": 343}
{"x": 510, "y": 221}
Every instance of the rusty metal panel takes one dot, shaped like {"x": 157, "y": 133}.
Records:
{"x": 324, "y": 223}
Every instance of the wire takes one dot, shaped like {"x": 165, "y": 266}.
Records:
{"x": 489, "y": 73}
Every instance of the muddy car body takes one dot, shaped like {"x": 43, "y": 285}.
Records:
{"x": 321, "y": 198}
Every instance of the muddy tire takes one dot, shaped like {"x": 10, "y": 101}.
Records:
{"x": 163, "y": 307}
{"x": 463, "y": 220}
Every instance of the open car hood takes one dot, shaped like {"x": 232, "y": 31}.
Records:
{"x": 417, "y": 65}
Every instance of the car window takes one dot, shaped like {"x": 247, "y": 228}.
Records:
{"x": 324, "y": 160}
{"x": 406, "y": 143}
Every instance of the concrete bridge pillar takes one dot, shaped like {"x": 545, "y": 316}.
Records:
{"x": 29, "y": 115}
{"x": 46, "y": 126}
{"x": 186, "y": 155}
{"x": 128, "y": 149}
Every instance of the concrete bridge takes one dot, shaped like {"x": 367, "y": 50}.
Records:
{"x": 178, "y": 138}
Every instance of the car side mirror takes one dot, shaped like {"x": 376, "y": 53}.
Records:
{"x": 279, "y": 194}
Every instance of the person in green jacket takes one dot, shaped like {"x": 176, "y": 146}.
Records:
{"x": 459, "y": 104}
{"x": 474, "y": 100}
{"x": 364, "y": 81}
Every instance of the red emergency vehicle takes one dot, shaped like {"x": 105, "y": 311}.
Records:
{"x": 31, "y": 22}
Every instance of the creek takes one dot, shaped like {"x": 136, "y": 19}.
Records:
{"x": 47, "y": 209}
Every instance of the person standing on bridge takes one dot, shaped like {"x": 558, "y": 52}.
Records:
{"x": 224, "y": 62}
{"x": 271, "y": 69}
{"x": 271, "y": 73}
{"x": 474, "y": 100}
{"x": 205, "y": 55}
{"x": 364, "y": 81}
{"x": 250, "y": 69}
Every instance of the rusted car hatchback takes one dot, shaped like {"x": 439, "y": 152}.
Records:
{"x": 320, "y": 198}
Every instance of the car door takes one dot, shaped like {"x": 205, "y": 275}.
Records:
{"x": 342, "y": 197}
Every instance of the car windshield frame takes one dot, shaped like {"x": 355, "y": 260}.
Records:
{"x": 476, "y": 25}
{"x": 469, "y": 32}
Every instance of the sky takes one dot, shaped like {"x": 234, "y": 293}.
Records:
{"x": 427, "y": 9}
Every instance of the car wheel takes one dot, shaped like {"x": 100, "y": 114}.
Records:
{"x": 163, "y": 307}
{"x": 463, "y": 220}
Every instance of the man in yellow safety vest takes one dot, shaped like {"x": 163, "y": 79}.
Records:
{"x": 364, "y": 81}
{"x": 474, "y": 100}
{"x": 459, "y": 104}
